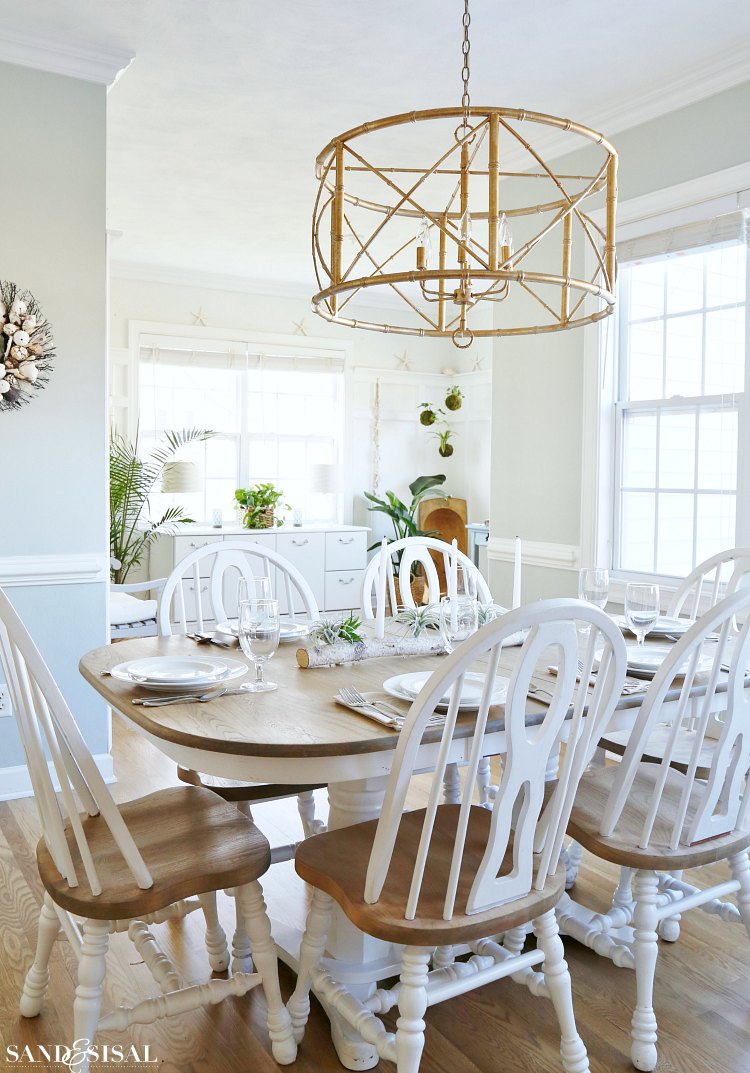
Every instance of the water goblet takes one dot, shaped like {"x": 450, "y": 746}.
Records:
{"x": 253, "y": 589}
{"x": 258, "y": 628}
{"x": 458, "y": 620}
{"x": 642, "y": 605}
{"x": 593, "y": 587}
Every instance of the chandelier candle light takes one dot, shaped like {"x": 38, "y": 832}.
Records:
{"x": 432, "y": 221}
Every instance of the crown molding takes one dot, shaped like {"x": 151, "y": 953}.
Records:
{"x": 91, "y": 64}
{"x": 728, "y": 69}
{"x": 74, "y": 569}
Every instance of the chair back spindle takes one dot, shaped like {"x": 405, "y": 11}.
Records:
{"x": 48, "y": 729}
{"x": 414, "y": 551}
{"x": 216, "y": 570}
{"x": 518, "y": 815}
{"x": 709, "y": 582}
{"x": 682, "y": 807}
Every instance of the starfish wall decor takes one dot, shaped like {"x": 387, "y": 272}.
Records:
{"x": 404, "y": 362}
{"x": 199, "y": 318}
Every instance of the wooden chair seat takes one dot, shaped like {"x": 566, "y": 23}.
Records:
{"x": 622, "y": 846}
{"x": 336, "y": 862}
{"x": 232, "y": 790}
{"x": 616, "y": 742}
{"x": 190, "y": 839}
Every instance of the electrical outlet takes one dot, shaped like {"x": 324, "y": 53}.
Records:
{"x": 5, "y": 708}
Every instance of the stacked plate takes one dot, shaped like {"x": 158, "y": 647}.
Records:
{"x": 179, "y": 674}
{"x": 407, "y": 686}
{"x": 644, "y": 663}
{"x": 289, "y": 631}
{"x": 665, "y": 626}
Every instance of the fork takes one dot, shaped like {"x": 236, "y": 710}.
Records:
{"x": 187, "y": 698}
{"x": 208, "y": 639}
{"x": 353, "y": 696}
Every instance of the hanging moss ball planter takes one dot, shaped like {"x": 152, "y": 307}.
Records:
{"x": 454, "y": 399}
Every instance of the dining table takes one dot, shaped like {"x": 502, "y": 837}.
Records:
{"x": 300, "y": 734}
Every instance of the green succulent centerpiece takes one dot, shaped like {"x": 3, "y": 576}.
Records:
{"x": 328, "y": 631}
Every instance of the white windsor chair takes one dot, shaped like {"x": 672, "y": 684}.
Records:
{"x": 413, "y": 551}
{"x": 212, "y": 576}
{"x": 449, "y": 874}
{"x": 709, "y": 582}
{"x": 652, "y": 817}
{"x": 123, "y": 868}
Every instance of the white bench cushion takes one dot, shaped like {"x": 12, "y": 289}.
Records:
{"x": 124, "y": 608}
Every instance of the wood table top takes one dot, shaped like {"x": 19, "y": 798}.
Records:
{"x": 300, "y": 719}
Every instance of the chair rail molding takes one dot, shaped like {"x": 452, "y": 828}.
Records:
{"x": 535, "y": 553}
{"x": 80, "y": 569}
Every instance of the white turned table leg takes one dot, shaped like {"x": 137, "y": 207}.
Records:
{"x": 353, "y": 802}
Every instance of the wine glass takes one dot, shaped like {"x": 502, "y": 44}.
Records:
{"x": 458, "y": 620}
{"x": 642, "y": 605}
{"x": 253, "y": 589}
{"x": 466, "y": 582}
{"x": 593, "y": 586}
{"x": 258, "y": 628}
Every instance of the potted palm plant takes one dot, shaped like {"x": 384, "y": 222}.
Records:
{"x": 131, "y": 481}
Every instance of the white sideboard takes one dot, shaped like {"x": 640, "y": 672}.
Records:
{"x": 332, "y": 558}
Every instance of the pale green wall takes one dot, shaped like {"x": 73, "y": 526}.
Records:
{"x": 52, "y": 242}
{"x": 538, "y": 381}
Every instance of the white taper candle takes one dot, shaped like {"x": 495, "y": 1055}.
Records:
{"x": 453, "y": 585}
{"x": 380, "y": 597}
{"x": 517, "y": 574}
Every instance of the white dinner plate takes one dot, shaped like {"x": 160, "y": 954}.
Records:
{"x": 162, "y": 674}
{"x": 408, "y": 686}
{"x": 665, "y": 626}
{"x": 645, "y": 664}
{"x": 288, "y": 631}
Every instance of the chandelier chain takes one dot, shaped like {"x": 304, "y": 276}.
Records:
{"x": 465, "y": 71}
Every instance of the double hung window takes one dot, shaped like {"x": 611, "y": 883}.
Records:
{"x": 273, "y": 417}
{"x": 680, "y": 384}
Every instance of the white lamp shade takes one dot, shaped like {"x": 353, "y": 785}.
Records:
{"x": 325, "y": 477}
{"x": 181, "y": 477}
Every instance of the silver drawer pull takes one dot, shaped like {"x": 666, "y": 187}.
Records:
{"x": 300, "y": 543}
{"x": 347, "y": 582}
{"x": 346, "y": 540}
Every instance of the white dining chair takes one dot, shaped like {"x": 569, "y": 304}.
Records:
{"x": 205, "y": 583}
{"x": 709, "y": 582}
{"x": 409, "y": 552}
{"x": 107, "y": 868}
{"x": 428, "y": 879}
{"x": 130, "y": 616}
{"x": 655, "y": 816}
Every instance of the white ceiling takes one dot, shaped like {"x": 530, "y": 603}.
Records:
{"x": 214, "y": 128}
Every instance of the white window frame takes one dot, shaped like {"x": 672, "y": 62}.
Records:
{"x": 700, "y": 199}
{"x": 148, "y": 335}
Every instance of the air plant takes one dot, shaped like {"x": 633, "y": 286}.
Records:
{"x": 328, "y": 631}
{"x": 488, "y": 613}
{"x": 419, "y": 619}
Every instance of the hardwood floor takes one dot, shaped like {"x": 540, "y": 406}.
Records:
{"x": 702, "y": 995}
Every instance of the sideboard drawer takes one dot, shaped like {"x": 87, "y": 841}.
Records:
{"x": 184, "y": 545}
{"x": 342, "y": 589}
{"x": 346, "y": 551}
{"x": 306, "y": 551}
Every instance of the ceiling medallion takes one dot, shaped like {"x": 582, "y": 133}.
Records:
{"x": 485, "y": 239}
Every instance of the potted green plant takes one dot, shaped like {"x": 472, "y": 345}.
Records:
{"x": 404, "y": 518}
{"x": 131, "y": 481}
{"x": 454, "y": 398}
{"x": 259, "y": 505}
{"x": 429, "y": 414}
{"x": 445, "y": 447}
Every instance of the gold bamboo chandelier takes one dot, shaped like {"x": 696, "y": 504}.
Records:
{"x": 472, "y": 229}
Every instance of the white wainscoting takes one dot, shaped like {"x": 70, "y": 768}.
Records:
{"x": 53, "y": 569}
{"x": 15, "y": 781}
{"x": 535, "y": 553}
